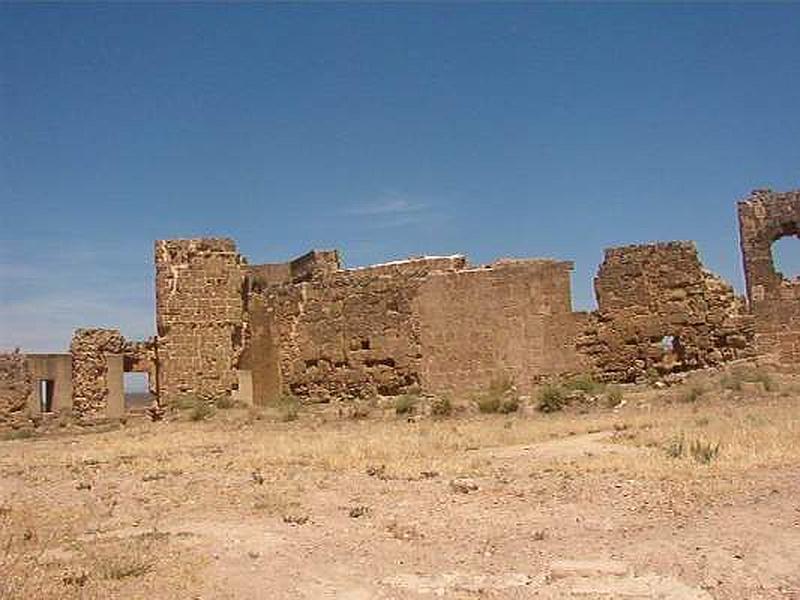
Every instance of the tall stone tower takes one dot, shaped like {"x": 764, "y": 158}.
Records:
{"x": 199, "y": 316}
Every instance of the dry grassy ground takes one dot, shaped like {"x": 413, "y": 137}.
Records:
{"x": 676, "y": 494}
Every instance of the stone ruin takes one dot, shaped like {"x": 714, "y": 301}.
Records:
{"x": 316, "y": 330}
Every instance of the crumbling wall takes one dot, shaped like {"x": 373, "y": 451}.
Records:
{"x": 765, "y": 217}
{"x": 511, "y": 320}
{"x": 16, "y": 385}
{"x": 200, "y": 299}
{"x": 90, "y": 371}
{"x": 659, "y": 311}
{"x": 350, "y": 333}
{"x": 316, "y": 263}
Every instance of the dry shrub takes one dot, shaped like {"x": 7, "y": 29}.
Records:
{"x": 406, "y": 404}
{"x": 551, "y": 399}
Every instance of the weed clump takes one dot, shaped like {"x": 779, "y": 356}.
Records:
{"x": 585, "y": 384}
{"x": 701, "y": 451}
{"x": 405, "y": 404}
{"x": 287, "y": 407}
{"x": 552, "y": 399}
{"x": 441, "y": 407}
{"x": 500, "y": 397}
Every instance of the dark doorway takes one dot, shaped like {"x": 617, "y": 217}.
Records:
{"x": 46, "y": 392}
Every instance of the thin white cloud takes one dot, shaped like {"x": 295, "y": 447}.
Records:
{"x": 387, "y": 205}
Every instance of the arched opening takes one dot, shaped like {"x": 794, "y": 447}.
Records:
{"x": 786, "y": 257}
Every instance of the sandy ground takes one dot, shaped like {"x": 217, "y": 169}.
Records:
{"x": 476, "y": 506}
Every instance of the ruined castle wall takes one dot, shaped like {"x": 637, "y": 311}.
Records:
{"x": 94, "y": 381}
{"x": 660, "y": 310}
{"x": 16, "y": 385}
{"x": 765, "y": 217}
{"x": 351, "y": 333}
{"x": 511, "y": 320}
{"x": 199, "y": 316}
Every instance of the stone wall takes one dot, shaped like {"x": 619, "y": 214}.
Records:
{"x": 349, "y": 333}
{"x": 765, "y": 217}
{"x": 659, "y": 311}
{"x": 317, "y": 263}
{"x": 90, "y": 350}
{"x": 200, "y": 316}
{"x": 57, "y": 369}
{"x": 16, "y": 385}
{"x": 511, "y": 320}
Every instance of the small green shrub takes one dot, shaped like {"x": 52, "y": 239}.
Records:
{"x": 441, "y": 407}
{"x": 584, "y": 383}
{"x": 499, "y": 397}
{"x": 405, "y": 404}
{"x": 551, "y": 399}
{"x": 501, "y": 385}
{"x": 509, "y": 405}
{"x": 488, "y": 404}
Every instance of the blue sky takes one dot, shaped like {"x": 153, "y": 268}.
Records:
{"x": 383, "y": 130}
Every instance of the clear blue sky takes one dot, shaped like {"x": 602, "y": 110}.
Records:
{"x": 383, "y": 130}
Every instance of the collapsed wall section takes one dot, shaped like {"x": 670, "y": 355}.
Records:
{"x": 510, "y": 320}
{"x": 660, "y": 311}
{"x": 16, "y": 386}
{"x": 764, "y": 218}
{"x": 348, "y": 333}
{"x": 200, "y": 302}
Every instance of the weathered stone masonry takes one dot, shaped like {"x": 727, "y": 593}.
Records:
{"x": 660, "y": 311}
{"x": 764, "y": 218}
{"x": 312, "y": 328}
{"x": 199, "y": 316}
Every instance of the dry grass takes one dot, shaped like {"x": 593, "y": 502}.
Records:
{"x": 234, "y": 461}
